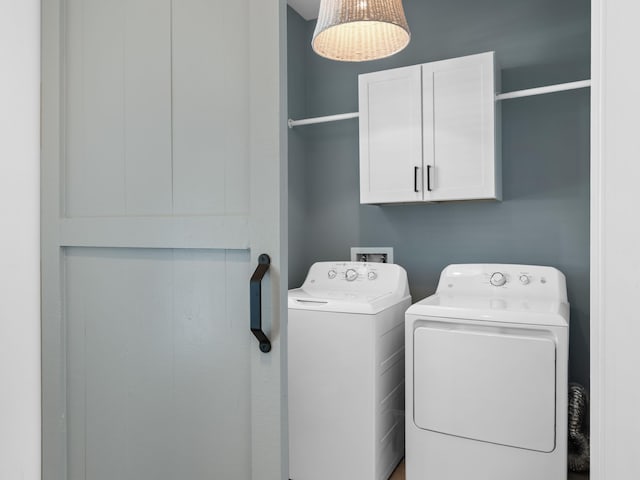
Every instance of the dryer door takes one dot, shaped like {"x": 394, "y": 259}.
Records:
{"x": 485, "y": 383}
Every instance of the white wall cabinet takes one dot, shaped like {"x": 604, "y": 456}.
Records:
{"x": 430, "y": 132}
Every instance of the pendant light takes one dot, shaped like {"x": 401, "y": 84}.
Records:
{"x": 360, "y": 30}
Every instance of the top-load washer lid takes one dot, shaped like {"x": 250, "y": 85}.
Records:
{"x": 522, "y": 294}
{"x": 351, "y": 287}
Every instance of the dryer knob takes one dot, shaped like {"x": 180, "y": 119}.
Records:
{"x": 351, "y": 275}
{"x": 332, "y": 274}
{"x": 498, "y": 279}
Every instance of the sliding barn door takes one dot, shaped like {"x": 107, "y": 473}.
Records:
{"x": 163, "y": 164}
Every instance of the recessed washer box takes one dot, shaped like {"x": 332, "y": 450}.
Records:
{"x": 372, "y": 254}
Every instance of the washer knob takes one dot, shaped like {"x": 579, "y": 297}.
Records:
{"x": 332, "y": 274}
{"x": 372, "y": 275}
{"x": 498, "y": 279}
{"x": 524, "y": 279}
{"x": 351, "y": 275}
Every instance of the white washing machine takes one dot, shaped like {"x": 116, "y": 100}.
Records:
{"x": 486, "y": 366}
{"x": 346, "y": 371}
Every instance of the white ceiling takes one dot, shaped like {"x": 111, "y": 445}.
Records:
{"x": 308, "y": 9}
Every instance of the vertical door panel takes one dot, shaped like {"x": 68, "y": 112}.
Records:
{"x": 391, "y": 136}
{"x": 118, "y": 108}
{"x": 94, "y": 114}
{"x": 212, "y": 363}
{"x": 147, "y": 103}
{"x": 119, "y": 363}
{"x": 211, "y": 105}
{"x": 158, "y": 364}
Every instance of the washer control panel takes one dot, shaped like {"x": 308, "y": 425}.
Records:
{"x": 352, "y": 271}
{"x": 356, "y": 276}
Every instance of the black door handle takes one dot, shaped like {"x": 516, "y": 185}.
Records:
{"x": 428, "y": 178}
{"x": 415, "y": 179}
{"x": 255, "y": 293}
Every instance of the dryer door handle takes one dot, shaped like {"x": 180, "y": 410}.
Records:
{"x": 255, "y": 294}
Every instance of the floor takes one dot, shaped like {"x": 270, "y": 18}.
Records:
{"x": 400, "y": 475}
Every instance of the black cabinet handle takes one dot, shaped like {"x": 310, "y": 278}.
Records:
{"x": 415, "y": 179}
{"x": 428, "y": 178}
{"x": 255, "y": 293}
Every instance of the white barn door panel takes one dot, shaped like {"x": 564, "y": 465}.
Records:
{"x": 163, "y": 161}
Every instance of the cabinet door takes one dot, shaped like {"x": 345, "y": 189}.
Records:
{"x": 391, "y": 136}
{"x": 459, "y": 129}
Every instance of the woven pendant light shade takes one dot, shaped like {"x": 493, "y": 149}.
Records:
{"x": 360, "y": 30}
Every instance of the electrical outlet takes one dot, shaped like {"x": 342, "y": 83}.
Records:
{"x": 372, "y": 254}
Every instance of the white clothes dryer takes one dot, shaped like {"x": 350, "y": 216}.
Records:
{"x": 486, "y": 367}
{"x": 346, "y": 371}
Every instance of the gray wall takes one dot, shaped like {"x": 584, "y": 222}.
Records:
{"x": 298, "y": 172}
{"x": 544, "y": 217}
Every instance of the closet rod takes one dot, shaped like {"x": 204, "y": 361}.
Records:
{"x": 328, "y": 118}
{"x": 542, "y": 90}
{"x": 501, "y": 96}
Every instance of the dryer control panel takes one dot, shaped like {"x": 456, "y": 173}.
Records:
{"x": 531, "y": 281}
